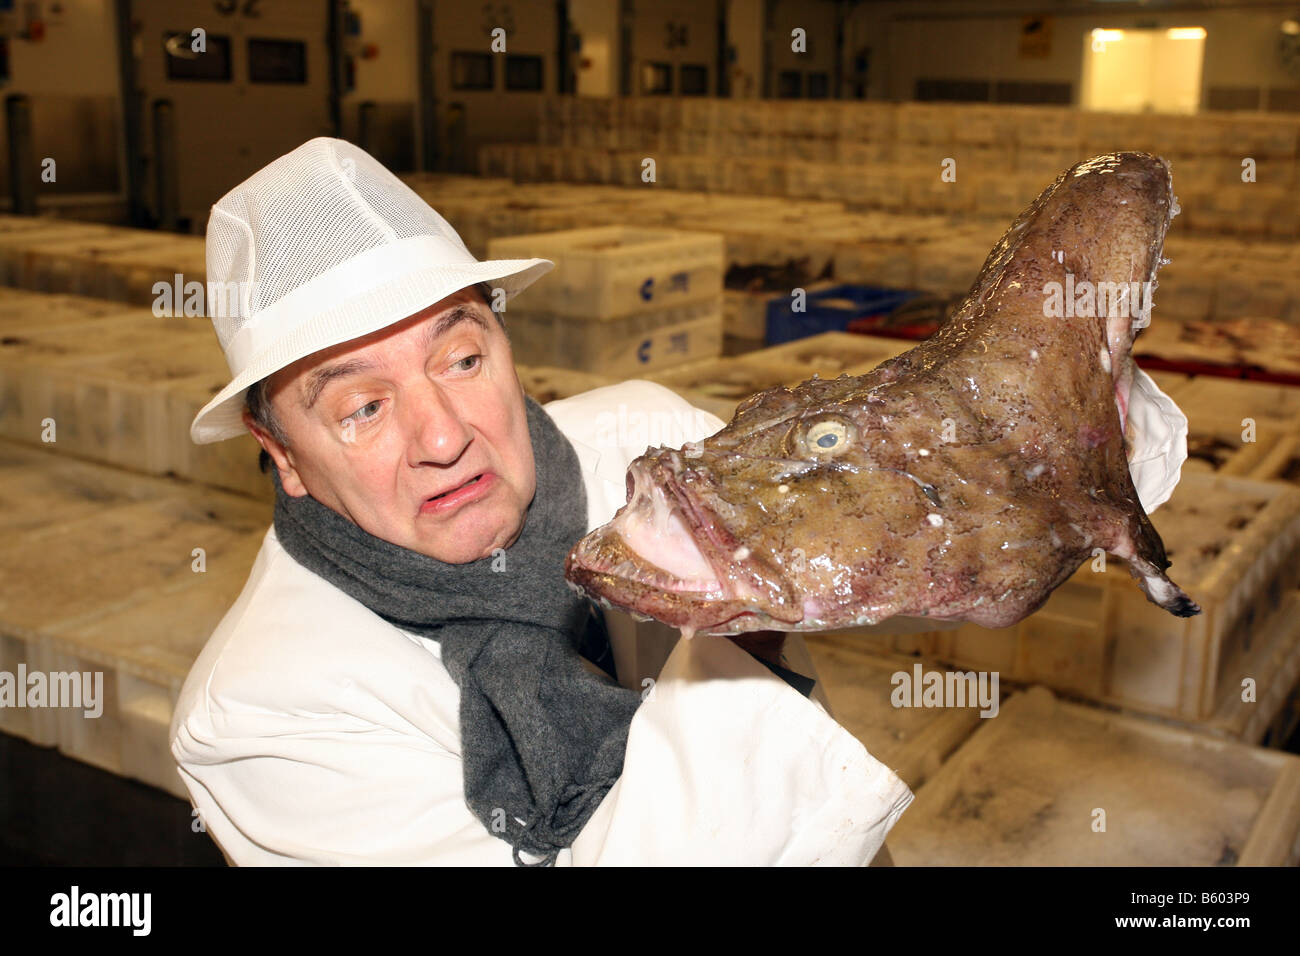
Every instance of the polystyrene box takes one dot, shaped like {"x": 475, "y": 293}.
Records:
{"x": 1048, "y": 783}
{"x": 617, "y": 270}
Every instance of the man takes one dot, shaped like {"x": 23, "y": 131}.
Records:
{"x": 401, "y": 680}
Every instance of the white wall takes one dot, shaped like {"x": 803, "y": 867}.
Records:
{"x": 391, "y": 76}
{"x": 650, "y": 37}
{"x": 817, "y": 19}
{"x": 596, "y": 65}
{"x": 496, "y": 115}
{"x": 77, "y": 57}
{"x": 912, "y": 41}
{"x": 745, "y": 34}
{"x": 71, "y": 77}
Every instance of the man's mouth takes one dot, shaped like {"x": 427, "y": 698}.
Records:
{"x": 463, "y": 493}
{"x": 465, "y": 485}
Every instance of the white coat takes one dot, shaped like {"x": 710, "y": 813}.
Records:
{"x": 311, "y": 731}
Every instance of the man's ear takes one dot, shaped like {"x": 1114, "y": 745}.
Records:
{"x": 280, "y": 458}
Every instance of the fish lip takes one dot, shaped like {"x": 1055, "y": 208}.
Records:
{"x": 597, "y": 574}
{"x": 704, "y": 523}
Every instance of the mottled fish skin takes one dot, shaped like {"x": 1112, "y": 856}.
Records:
{"x": 963, "y": 480}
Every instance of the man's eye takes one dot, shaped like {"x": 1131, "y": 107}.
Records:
{"x": 357, "y": 416}
{"x": 473, "y": 361}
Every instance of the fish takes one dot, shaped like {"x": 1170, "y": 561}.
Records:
{"x": 963, "y": 480}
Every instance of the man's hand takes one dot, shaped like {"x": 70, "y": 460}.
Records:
{"x": 766, "y": 645}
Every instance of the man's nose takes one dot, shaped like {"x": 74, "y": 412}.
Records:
{"x": 439, "y": 432}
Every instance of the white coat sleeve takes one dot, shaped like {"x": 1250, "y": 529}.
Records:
{"x": 728, "y": 765}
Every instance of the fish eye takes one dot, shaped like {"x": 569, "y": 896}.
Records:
{"x": 827, "y": 437}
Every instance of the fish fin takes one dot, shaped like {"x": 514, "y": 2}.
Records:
{"x": 1148, "y": 564}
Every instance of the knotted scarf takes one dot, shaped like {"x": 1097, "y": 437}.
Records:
{"x": 542, "y": 737}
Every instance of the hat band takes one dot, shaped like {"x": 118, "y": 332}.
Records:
{"x": 349, "y": 280}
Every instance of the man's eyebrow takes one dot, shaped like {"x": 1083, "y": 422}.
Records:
{"x": 320, "y": 378}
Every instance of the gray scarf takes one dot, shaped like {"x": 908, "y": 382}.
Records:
{"x": 542, "y": 737}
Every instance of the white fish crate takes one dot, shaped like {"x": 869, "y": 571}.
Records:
{"x": 1002, "y": 196}
{"x": 1234, "y": 544}
{"x": 1039, "y": 127}
{"x": 1027, "y": 787}
{"x": 70, "y": 264}
{"x": 231, "y": 464}
{"x": 29, "y": 361}
{"x": 624, "y": 345}
{"x": 1211, "y": 398}
{"x": 1107, "y": 132}
{"x": 928, "y": 122}
{"x": 891, "y": 263}
{"x": 858, "y": 153}
{"x": 108, "y": 540}
{"x": 548, "y": 384}
{"x": 926, "y": 191}
{"x": 614, "y": 271}
{"x": 868, "y": 122}
{"x": 744, "y": 314}
{"x": 494, "y": 159}
{"x": 1221, "y": 445}
{"x": 1042, "y": 164}
{"x": 133, "y": 275}
{"x": 948, "y": 266}
{"x": 1259, "y": 135}
{"x": 1269, "y": 296}
{"x": 114, "y": 409}
{"x": 21, "y": 238}
{"x": 1171, "y": 383}
{"x": 23, "y": 311}
{"x": 1186, "y": 295}
{"x": 1267, "y": 715}
{"x": 145, "y": 648}
{"x": 911, "y": 741}
{"x": 719, "y": 385}
{"x": 831, "y": 354}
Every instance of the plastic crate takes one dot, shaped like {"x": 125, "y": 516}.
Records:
{"x": 1273, "y": 662}
{"x": 830, "y": 310}
{"x": 1213, "y": 398}
{"x": 545, "y": 384}
{"x": 911, "y": 741}
{"x": 1217, "y": 445}
{"x": 620, "y": 346}
{"x": 115, "y": 409}
{"x": 833, "y": 353}
{"x": 1024, "y": 790}
{"x": 30, "y": 361}
{"x": 108, "y": 585}
{"x": 613, "y": 271}
{"x": 1234, "y": 544}
{"x": 231, "y": 464}
{"x": 719, "y": 385}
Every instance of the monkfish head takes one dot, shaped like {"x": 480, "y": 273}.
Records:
{"x": 768, "y": 524}
{"x": 963, "y": 480}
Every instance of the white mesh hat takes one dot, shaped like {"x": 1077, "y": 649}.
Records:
{"x": 322, "y": 246}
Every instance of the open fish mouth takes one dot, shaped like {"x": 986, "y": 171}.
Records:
{"x": 668, "y": 556}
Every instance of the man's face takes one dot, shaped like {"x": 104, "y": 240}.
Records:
{"x": 430, "y": 406}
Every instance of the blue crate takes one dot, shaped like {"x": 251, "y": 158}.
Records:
{"x": 786, "y": 325}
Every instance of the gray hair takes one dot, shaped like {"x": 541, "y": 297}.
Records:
{"x": 258, "y": 402}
